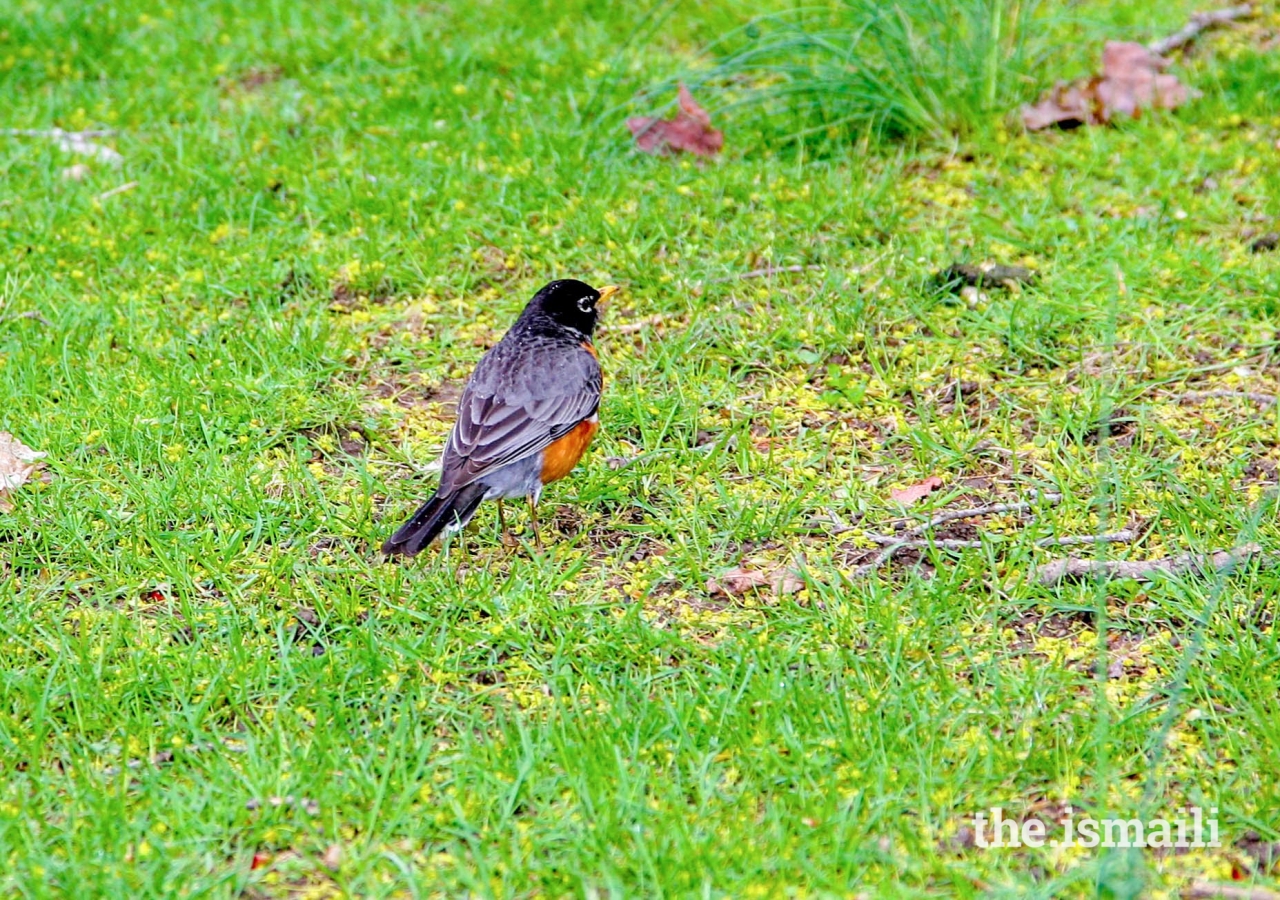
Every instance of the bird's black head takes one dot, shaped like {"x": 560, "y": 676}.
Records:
{"x": 570, "y": 303}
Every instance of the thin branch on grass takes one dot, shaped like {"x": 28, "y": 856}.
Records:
{"x": 621, "y": 462}
{"x": 766, "y": 272}
{"x": 909, "y": 539}
{"x": 56, "y": 134}
{"x": 29, "y": 314}
{"x": 1208, "y": 890}
{"x": 994, "y": 509}
{"x": 1116, "y": 537}
{"x": 881, "y": 558}
{"x": 633, "y": 327}
{"x": 72, "y": 141}
{"x": 888, "y": 540}
{"x": 1127, "y": 536}
{"x": 1253, "y": 396}
{"x": 1199, "y": 22}
{"x": 1219, "y": 562}
{"x": 127, "y": 186}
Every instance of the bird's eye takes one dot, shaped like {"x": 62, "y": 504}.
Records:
{"x": 585, "y": 304}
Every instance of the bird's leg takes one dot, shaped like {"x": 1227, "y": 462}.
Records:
{"x": 533, "y": 516}
{"x": 507, "y": 540}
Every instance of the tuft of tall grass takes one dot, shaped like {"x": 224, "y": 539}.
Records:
{"x": 931, "y": 68}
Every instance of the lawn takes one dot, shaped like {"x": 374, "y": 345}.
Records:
{"x": 239, "y": 348}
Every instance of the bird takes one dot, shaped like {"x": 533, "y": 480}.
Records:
{"x": 526, "y": 416}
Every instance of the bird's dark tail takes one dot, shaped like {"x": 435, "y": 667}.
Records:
{"x": 433, "y": 517}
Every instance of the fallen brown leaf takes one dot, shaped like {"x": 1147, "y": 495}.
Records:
{"x": 17, "y": 463}
{"x": 908, "y": 495}
{"x": 739, "y": 581}
{"x": 688, "y": 131}
{"x": 1132, "y": 80}
{"x": 787, "y": 582}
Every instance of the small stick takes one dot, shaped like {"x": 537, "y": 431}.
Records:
{"x": 766, "y": 272}
{"x": 1199, "y": 22}
{"x": 1253, "y": 396}
{"x": 1219, "y": 562}
{"x": 127, "y": 186}
{"x": 72, "y": 141}
{"x": 1208, "y": 890}
{"x": 908, "y": 539}
{"x": 633, "y": 327}
{"x": 881, "y": 558}
{"x": 55, "y": 133}
{"x": 886, "y": 540}
{"x": 1116, "y": 537}
{"x": 621, "y": 462}
{"x": 994, "y": 509}
{"x": 29, "y": 314}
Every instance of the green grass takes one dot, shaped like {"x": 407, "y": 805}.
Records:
{"x": 241, "y": 374}
{"x": 889, "y": 69}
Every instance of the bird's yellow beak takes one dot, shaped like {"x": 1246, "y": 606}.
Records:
{"x": 606, "y": 292}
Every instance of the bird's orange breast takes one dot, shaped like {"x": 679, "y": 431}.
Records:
{"x": 563, "y": 454}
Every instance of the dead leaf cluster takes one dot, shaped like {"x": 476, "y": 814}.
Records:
{"x": 916, "y": 492}
{"x": 781, "y": 581}
{"x": 1132, "y": 80}
{"x": 688, "y": 131}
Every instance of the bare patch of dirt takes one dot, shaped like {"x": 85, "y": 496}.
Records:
{"x": 1261, "y": 470}
{"x": 1032, "y": 624}
{"x": 350, "y": 440}
{"x": 346, "y": 298}
{"x": 407, "y": 390}
{"x": 1126, "y": 657}
{"x": 252, "y": 79}
{"x": 1119, "y": 427}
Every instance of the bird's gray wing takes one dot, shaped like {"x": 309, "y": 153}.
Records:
{"x": 520, "y": 399}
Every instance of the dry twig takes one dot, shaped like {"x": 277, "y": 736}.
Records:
{"x": 72, "y": 141}
{"x": 1208, "y": 890}
{"x": 1253, "y": 396}
{"x": 1128, "y": 536}
{"x": 1116, "y": 537}
{"x": 994, "y": 509}
{"x": 1219, "y": 562}
{"x": 127, "y": 186}
{"x": 766, "y": 272}
{"x": 1199, "y": 22}
{"x": 909, "y": 539}
{"x": 633, "y": 327}
{"x": 29, "y": 314}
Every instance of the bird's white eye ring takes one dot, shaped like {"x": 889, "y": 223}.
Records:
{"x": 585, "y": 304}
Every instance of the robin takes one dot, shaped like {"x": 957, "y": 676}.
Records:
{"x": 526, "y": 415}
